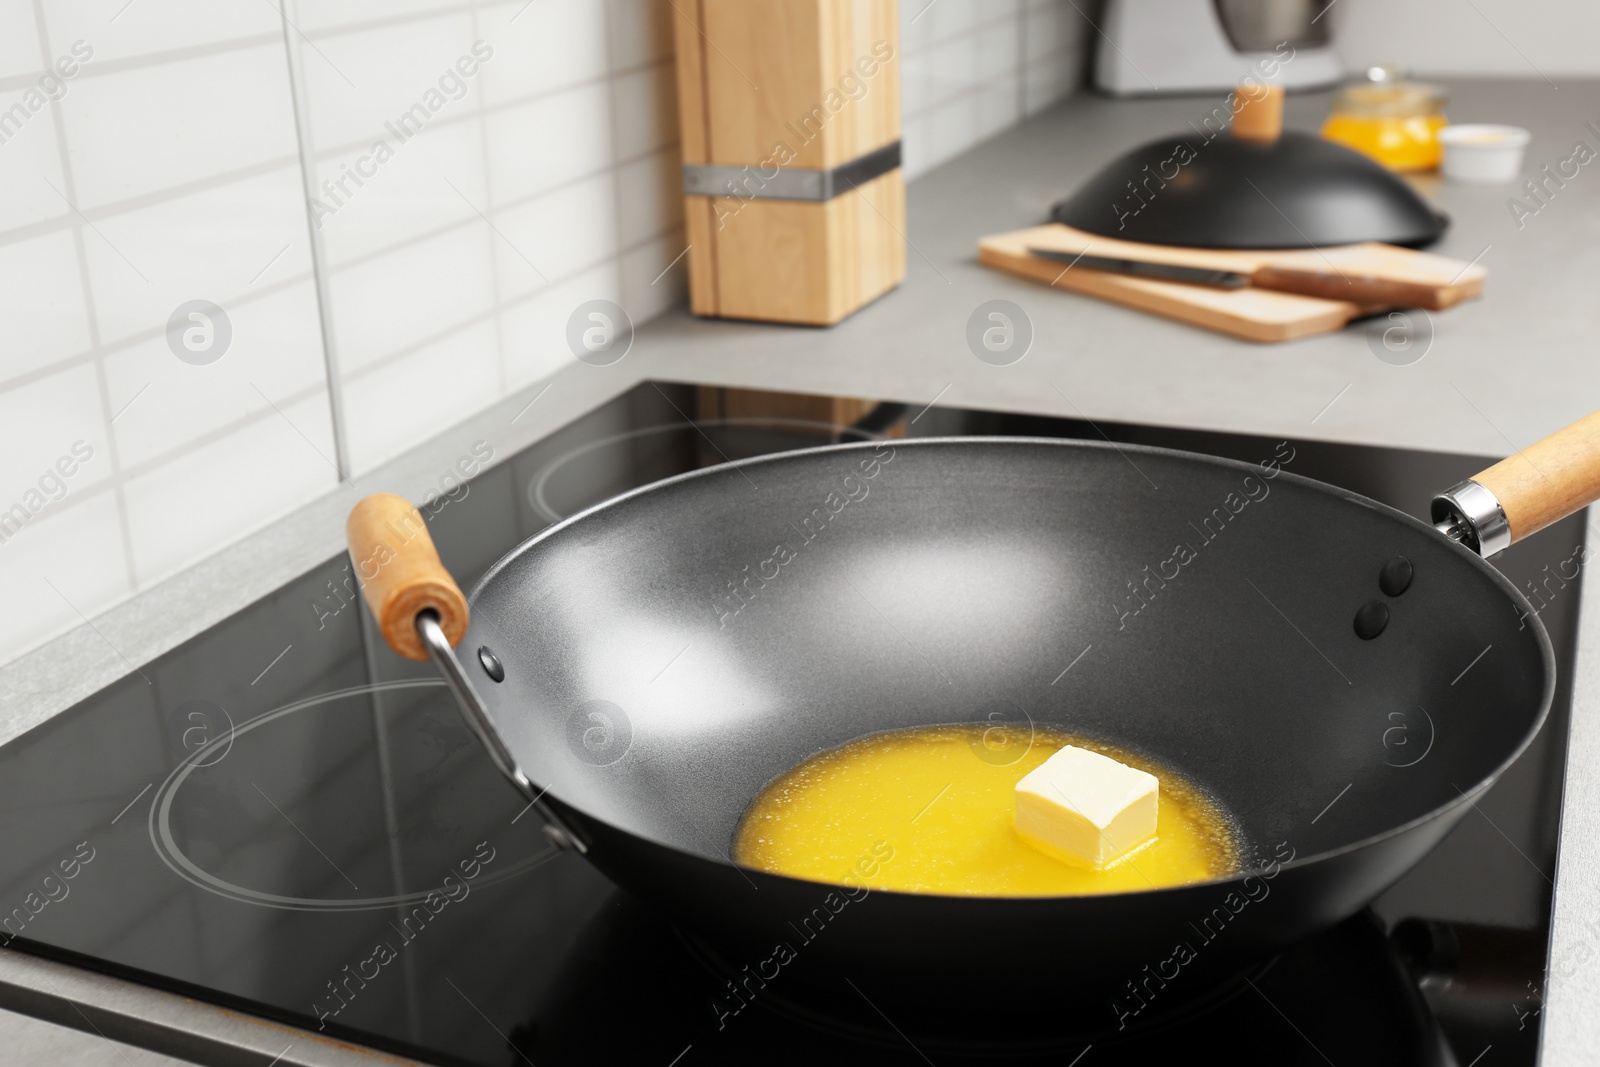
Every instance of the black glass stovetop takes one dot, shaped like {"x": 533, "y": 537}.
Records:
{"x": 345, "y": 858}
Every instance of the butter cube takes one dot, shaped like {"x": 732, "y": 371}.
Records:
{"x": 1086, "y": 808}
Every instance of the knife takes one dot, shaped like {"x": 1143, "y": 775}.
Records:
{"x": 1360, "y": 280}
{"x": 1167, "y": 272}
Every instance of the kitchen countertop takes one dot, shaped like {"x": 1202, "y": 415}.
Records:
{"x": 1500, "y": 373}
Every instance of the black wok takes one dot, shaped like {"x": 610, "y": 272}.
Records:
{"x": 652, "y": 662}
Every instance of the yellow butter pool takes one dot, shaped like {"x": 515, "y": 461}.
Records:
{"x": 929, "y": 810}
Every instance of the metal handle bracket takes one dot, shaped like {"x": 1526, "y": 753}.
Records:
{"x": 477, "y": 719}
{"x": 1472, "y": 515}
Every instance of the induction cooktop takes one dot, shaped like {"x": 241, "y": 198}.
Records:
{"x": 344, "y": 858}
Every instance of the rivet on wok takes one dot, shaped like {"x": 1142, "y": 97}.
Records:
{"x": 1371, "y": 619}
{"x": 1395, "y": 577}
{"x": 491, "y": 664}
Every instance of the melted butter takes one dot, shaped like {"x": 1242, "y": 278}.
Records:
{"x": 943, "y": 804}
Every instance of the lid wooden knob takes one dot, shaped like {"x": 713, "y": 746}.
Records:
{"x": 400, "y": 573}
{"x": 1258, "y": 112}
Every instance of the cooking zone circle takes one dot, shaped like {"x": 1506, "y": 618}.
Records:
{"x": 173, "y": 856}
{"x": 538, "y": 485}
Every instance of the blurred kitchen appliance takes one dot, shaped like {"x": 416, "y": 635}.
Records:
{"x": 1169, "y": 47}
{"x": 789, "y": 116}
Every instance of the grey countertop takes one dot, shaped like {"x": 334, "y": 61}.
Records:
{"x": 1499, "y": 373}
{"x": 1502, "y": 371}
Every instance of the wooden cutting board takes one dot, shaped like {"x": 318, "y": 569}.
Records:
{"x": 1251, "y": 313}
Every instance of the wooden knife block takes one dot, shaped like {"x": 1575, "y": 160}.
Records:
{"x": 775, "y": 95}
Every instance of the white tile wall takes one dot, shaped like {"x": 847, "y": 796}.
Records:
{"x": 174, "y": 166}
{"x": 451, "y": 271}
{"x": 971, "y": 68}
{"x": 1494, "y": 38}
{"x": 165, "y": 169}
{"x": 42, "y": 300}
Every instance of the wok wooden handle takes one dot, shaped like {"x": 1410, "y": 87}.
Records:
{"x": 1548, "y": 480}
{"x": 400, "y": 573}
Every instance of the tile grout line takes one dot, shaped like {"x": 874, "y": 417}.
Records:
{"x": 333, "y": 382}
{"x": 1020, "y": 70}
{"x": 109, "y": 348}
{"x": 148, "y": 61}
{"x": 146, "y": 466}
{"x": 132, "y": 340}
{"x": 142, "y": 201}
{"x": 158, "y": 197}
{"x": 494, "y": 209}
{"x": 92, "y": 318}
{"x": 161, "y": 459}
{"x": 488, "y": 198}
{"x": 538, "y": 96}
{"x": 163, "y": 196}
{"x": 612, "y": 76}
{"x": 413, "y": 348}
{"x": 424, "y": 15}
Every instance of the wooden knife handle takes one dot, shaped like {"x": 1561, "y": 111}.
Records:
{"x": 400, "y": 573}
{"x": 1548, "y": 480}
{"x": 1356, "y": 288}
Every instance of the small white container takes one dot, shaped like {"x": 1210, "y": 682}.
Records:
{"x": 1482, "y": 153}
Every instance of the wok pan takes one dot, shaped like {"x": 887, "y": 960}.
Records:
{"x": 1344, "y": 679}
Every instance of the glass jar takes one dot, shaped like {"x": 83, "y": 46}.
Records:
{"x": 1390, "y": 119}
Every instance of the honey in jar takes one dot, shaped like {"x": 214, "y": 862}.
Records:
{"x": 1394, "y": 121}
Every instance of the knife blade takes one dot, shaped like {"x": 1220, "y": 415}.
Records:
{"x": 1168, "y": 272}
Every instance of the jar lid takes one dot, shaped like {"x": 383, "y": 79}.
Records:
{"x": 1390, "y": 98}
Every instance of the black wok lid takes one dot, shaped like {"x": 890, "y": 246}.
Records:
{"x": 1297, "y": 191}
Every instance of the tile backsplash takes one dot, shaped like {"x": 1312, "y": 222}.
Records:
{"x": 246, "y": 249}
{"x": 477, "y": 171}
{"x": 971, "y": 68}
{"x": 149, "y": 160}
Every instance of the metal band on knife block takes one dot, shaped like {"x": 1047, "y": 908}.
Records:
{"x": 789, "y": 183}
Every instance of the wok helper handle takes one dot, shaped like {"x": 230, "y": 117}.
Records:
{"x": 1524, "y": 493}
{"x": 400, "y": 573}
{"x": 422, "y": 614}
